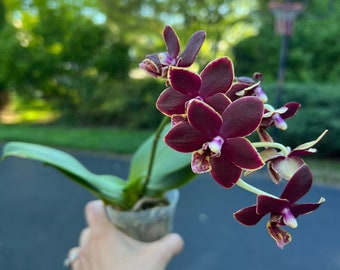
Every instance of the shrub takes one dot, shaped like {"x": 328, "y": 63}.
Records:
{"x": 119, "y": 103}
{"x": 319, "y": 111}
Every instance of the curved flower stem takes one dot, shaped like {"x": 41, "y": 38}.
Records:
{"x": 153, "y": 151}
{"x": 280, "y": 146}
{"x": 244, "y": 185}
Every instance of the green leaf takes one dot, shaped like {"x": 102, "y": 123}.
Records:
{"x": 168, "y": 163}
{"x": 178, "y": 178}
{"x": 110, "y": 188}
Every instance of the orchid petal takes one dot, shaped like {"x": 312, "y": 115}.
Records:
{"x": 184, "y": 138}
{"x": 287, "y": 167}
{"x": 301, "y": 209}
{"x": 218, "y": 101}
{"x": 298, "y": 185}
{"x": 266, "y": 204}
{"x": 178, "y": 118}
{"x": 232, "y": 93}
{"x": 273, "y": 174}
{"x": 243, "y": 154}
{"x": 281, "y": 110}
{"x": 191, "y": 50}
{"x": 264, "y": 135}
{"x": 224, "y": 171}
{"x": 293, "y": 107}
{"x": 171, "y": 102}
{"x": 242, "y": 117}
{"x": 245, "y": 79}
{"x": 171, "y": 41}
{"x": 270, "y": 153}
{"x": 185, "y": 81}
{"x": 248, "y": 216}
{"x": 217, "y": 77}
{"x": 204, "y": 118}
{"x": 150, "y": 67}
{"x": 308, "y": 145}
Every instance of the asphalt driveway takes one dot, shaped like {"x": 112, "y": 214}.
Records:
{"x": 42, "y": 215}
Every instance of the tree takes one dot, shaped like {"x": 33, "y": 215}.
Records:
{"x": 63, "y": 54}
{"x": 314, "y": 52}
{"x": 226, "y": 22}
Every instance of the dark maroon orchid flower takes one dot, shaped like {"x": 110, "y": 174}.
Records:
{"x": 276, "y": 117}
{"x": 157, "y": 64}
{"x": 218, "y": 142}
{"x": 281, "y": 166}
{"x": 210, "y": 86}
{"x": 246, "y": 86}
{"x": 283, "y": 210}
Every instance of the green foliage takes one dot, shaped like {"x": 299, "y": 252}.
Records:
{"x": 314, "y": 50}
{"x": 319, "y": 111}
{"x": 63, "y": 56}
{"x": 107, "y": 140}
{"x": 57, "y": 52}
{"x": 128, "y": 103}
{"x": 108, "y": 188}
{"x": 171, "y": 169}
{"x": 112, "y": 189}
{"x": 226, "y": 22}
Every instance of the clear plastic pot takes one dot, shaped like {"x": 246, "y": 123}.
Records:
{"x": 146, "y": 225}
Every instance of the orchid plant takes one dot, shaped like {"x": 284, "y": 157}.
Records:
{"x": 208, "y": 120}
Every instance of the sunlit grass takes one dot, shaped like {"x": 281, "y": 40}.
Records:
{"x": 94, "y": 139}
{"x": 326, "y": 171}
{"x": 33, "y": 111}
{"x": 32, "y": 122}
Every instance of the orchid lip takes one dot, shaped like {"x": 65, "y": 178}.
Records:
{"x": 260, "y": 94}
{"x": 288, "y": 218}
{"x": 166, "y": 59}
{"x": 215, "y": 146}
{"x": 279, "y": 122}
{"x": 200, "y": 162}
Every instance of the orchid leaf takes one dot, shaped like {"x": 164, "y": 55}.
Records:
{"x": 176, "y": 179}
{"x": 107, "y": 187}
{"x": 167, "y": 162}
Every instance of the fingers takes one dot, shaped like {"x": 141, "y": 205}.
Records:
{"x": 167, "y": 247}
{"x": 71, "y": 257}
{"x": 173, "y": 243}
{"x": 96, "y": 216}
{"x": 84, "y": 236}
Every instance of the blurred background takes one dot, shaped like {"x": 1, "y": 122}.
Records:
{"x": 73, "y": 65}
{"x": 69, "y": 78}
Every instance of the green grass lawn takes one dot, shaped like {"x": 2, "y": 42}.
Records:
{"x": 325, "y": 171}
{"x": 94, "y": 139}
{"x": 121, "y": 141}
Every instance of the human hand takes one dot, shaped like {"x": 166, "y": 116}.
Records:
{"x": 103, "y": 246}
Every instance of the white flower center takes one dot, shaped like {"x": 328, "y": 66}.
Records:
{"x": 215, "y": 146}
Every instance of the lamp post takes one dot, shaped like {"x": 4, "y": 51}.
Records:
{"x": 285, "y": 14}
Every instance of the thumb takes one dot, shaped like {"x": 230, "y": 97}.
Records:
{"x": 168, "y": 246}
{"x": 96, "y": 216}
